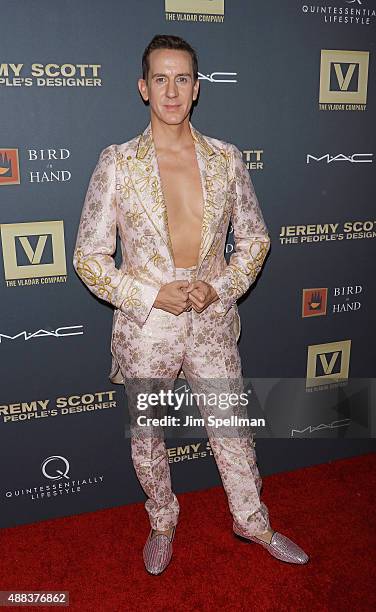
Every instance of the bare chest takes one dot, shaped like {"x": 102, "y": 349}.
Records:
{"x": 183, "y": 196}
{"x": 182, "y": 190}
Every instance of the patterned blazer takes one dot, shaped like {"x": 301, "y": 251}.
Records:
{"x": 125, "y": 194}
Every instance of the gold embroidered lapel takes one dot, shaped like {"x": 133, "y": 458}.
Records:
{"x": 213, "y": 169}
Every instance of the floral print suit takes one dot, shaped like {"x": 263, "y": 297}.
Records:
{"x": 149, "y": 344}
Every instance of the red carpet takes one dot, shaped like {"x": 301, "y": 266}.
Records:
{"x": 328, "y": 509}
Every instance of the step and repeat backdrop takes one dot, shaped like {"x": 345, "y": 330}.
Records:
{"x": 292, "y": 85}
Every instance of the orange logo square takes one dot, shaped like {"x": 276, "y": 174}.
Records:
{"x": 9, "y": 167}
{"x": 314, "y": 301}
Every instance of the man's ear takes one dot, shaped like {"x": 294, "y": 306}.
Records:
{"x": 143, "y": 89}
{"x": 196, "y": 88}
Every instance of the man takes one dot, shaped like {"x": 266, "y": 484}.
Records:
{"x": 171, "y": 192}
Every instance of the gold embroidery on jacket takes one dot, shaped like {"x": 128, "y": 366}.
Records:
{"x": 156, "y": 259}
{"x": 237, "y": 285}
{"x": 91, "y": 272}
{"x": 144, "y": 177}
{"x": 125, "y": 188}
{"x": 215, "y": 181}
{"x": 254, "y": 266}
{"x": 135, "y": 215}
{"x": 157, "y": 195}
{"x": 119, "y": 160}
{"x": 130, "y": 300}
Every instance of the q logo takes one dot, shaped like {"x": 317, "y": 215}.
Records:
{"x": 59, "y": 468}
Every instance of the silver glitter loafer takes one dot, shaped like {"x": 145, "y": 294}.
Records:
{"x": 280, "y": 546}
{"x": 158, "y": 551}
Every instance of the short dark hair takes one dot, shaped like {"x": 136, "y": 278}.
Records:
{"x": 168, "y": 41}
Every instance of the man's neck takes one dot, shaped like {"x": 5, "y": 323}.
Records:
{"x": 171, "y": 137}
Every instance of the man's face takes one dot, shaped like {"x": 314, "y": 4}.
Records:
{"x": 170, "y": 88}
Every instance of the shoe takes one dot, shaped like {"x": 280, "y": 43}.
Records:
{"x": 158, "y": 551}
{"x": 280, "y": 546}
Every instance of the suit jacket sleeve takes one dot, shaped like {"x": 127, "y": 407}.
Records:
{"x": 96, "y": 243}
{"x": 251, "y": 239}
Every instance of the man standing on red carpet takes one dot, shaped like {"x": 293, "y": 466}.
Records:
{"x": 172, "y": 192}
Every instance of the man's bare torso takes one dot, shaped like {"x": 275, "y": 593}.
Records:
{"x": 182, "y": 190}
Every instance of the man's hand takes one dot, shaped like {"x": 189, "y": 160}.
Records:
{"x": 173, "y": 297}
{"x": 201, "y": 294}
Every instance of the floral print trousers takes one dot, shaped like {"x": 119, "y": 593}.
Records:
{"x": 150, "y": 359}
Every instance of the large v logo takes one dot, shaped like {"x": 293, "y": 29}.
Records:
{"x": 344, "y": 81}
{"x": 328, "y": 367}
{"x": 33, "y": 256}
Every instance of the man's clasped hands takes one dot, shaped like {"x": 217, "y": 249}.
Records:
{"x": 180, "y": 295}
